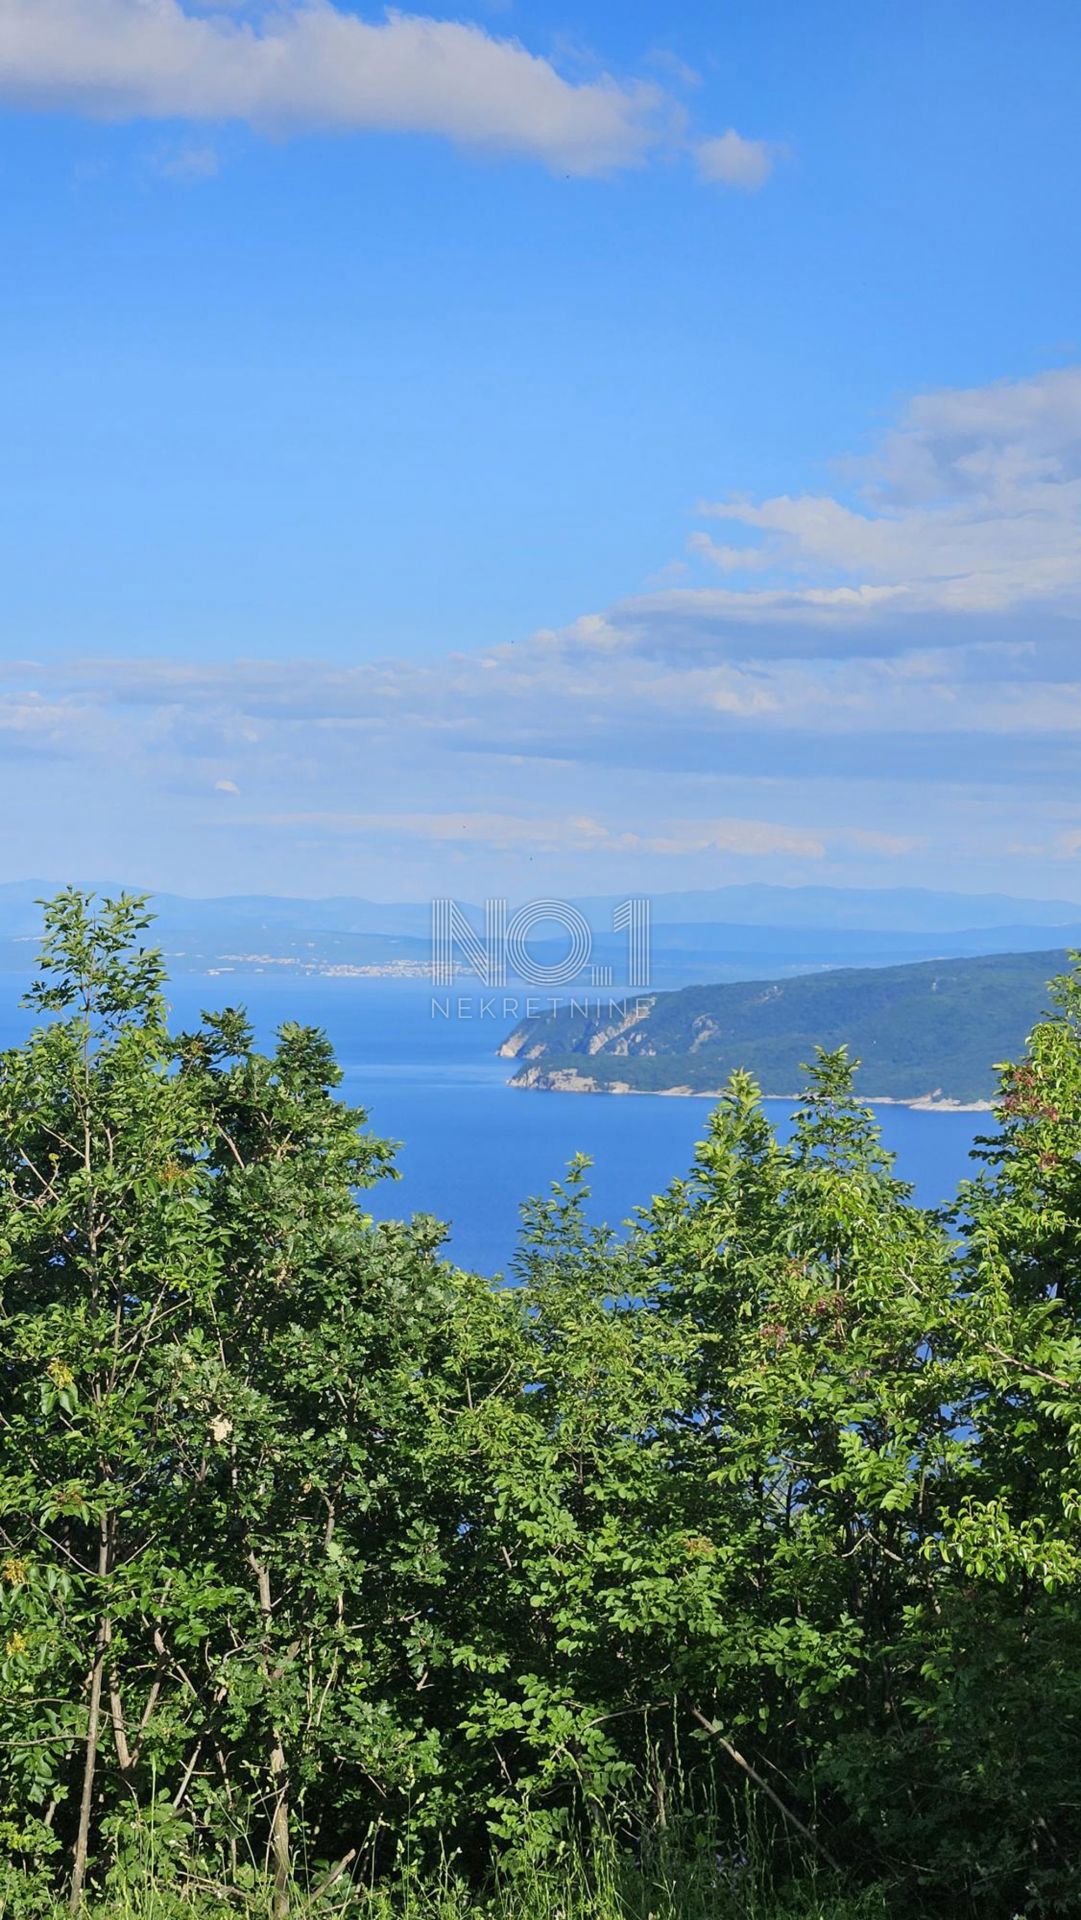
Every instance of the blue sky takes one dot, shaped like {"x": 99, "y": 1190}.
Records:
{"x": 545, "y": 447}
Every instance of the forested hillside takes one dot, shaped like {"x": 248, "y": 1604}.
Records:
{"x": 737, "y": 1558}
{"x": 930, "y": 1031}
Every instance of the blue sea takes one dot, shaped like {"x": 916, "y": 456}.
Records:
{"x": 471, "y": 1147}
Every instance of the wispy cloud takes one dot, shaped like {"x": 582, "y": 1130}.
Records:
{"x": 190, "y": 163}
{"x": 680, "y": 71}
{"x": 301, "y": 64}
{"x": 582, "y": 833}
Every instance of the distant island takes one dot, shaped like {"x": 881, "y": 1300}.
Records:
{"x": 925, "y": 1034}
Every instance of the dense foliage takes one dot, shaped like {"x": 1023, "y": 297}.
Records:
{"x": 316, "y": 1550}
{"x": 930, "y": 1029}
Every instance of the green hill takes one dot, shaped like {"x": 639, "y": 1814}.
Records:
{"x": 928, "y": 1032}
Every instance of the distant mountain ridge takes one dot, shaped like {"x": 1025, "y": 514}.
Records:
{"x": 724, "y": 935}
{"x": 873, "y": 909}
{"x": 929, "y": 1033}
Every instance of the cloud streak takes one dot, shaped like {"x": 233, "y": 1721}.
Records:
{"x": 308, "y": 64}
{"x": 582, "y": 833}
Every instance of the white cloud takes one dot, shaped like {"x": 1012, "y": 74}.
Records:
{"x": 971, "y": 506}
{"x": 733, "y": 161}
{"x": 31, "y": 719}
{"x": 967, "y": 442}
{"x": 310, "y": 64}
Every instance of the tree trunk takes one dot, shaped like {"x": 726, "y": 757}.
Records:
{"x": 279, "y": 1831}
{"x": 93, "y": 1734}
{"x": 279, "y": 1822}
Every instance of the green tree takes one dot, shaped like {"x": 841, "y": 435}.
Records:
{"x": 821, "y": 1431}
{"x": 1002, "y": 1652}
{"x": 587, "y": 1563}
{"x": 222, "y": 1552}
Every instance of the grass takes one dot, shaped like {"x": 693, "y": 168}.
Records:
{"x": 708, "y": 1856}
{"x": 662, "y": 1879}
{"x": 539, "y": 1898}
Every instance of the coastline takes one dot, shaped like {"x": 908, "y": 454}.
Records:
{"x": 561, "y": 1081}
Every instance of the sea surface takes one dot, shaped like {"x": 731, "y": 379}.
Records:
{"x": 473, "y": 1148}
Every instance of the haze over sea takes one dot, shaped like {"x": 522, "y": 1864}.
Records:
{"x": 473, "y": 1148}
